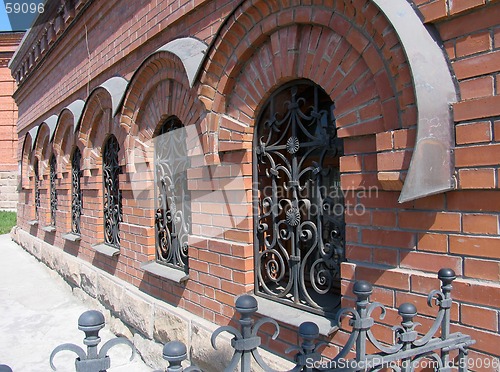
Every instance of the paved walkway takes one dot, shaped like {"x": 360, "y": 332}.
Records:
{"x": 38, "y": 312}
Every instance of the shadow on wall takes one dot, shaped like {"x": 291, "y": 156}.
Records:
{"x": 71, "y": 247}
{"x": 385, "y": 239}
{"x": 106, "y": 263}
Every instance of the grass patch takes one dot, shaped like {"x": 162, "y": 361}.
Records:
{"x": 7, "y": 221}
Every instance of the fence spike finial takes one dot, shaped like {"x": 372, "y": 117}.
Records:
{"x": 407, "y": 333}
{"x": 91, "y": 322}
{"x": 308, "y": 350}
{"x": 175, "y": 352}
{"x": 446, "y": 276}
{"x": 362, "y": 289}
{"x": 407, "y": 311}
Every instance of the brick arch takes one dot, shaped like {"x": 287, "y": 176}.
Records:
{"x": 255, "y": 22}
{"x": 156, "y": 68}
{"x": 27, "y": 161}
{"x": 167, "y": 98}
{"x": 96, "y": 103}
{"x": 42, "y": 149}
{"x": 361, "y": 94}
{"x": 158, "y": 89}
{"x": 95, "y": 125}
{"x": 352, "y": 52}
{"x": 64, "y": 139}
{"x": 72, "y": 152}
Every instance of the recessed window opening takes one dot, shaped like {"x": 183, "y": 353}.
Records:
{"x": 298, "y": 202}
{"x": 173, "y": 202}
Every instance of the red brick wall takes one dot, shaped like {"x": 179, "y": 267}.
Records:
{"x": 8, "y": 108}
{"x": 355, "y": 55}
{"x": 8, "y": 117}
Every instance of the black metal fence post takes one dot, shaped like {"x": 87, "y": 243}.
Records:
{"x": 246, "y": 342}
{"x": 175, "y": 352}
{"x": 447, "y": 276}
{"x": 407, "y": 311}
{"x": 307, "y": 353}
{"x": 408, "y": 351}
{"x": 91, "y": 322}
{"x": 362, "y": 290}
{"x": 309, "y": 332}
{"x": 246, "y": 306}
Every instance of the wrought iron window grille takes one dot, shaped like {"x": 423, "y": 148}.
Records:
{"x": 53, "y": 190}
{"x": 173, "y": 211}
{"x": 76, "y": 192}
{"x": 37, "y": 192}
{"x": 112, "y": 196}
{"x": 299, "y": 230}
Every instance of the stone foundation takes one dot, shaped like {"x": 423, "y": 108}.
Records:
{"x": 147, "y": 321}
{"x": 8, "y": 190}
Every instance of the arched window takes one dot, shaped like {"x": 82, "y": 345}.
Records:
{"x": 76, "y": 192}
{"x": 299, "y": 204}
{"x": 53, "y": 190}
{"x": 173, "y": 208}
{"x": 37, "y": 190}
{"x": 112, "y": 205}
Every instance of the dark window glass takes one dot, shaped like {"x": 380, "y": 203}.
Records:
{"x": 112, "y": 195}
{"x": 37, "y": 191}
{"x": 76, "y": 192}
{"x": 53, "y": 190}
{"x": 298, "y": 202}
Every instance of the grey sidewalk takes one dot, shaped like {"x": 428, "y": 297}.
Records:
{"x": 38, "y": 312}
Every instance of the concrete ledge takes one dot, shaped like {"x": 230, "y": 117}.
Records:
{"x": 164, "y": 271}
{"x": 49, "y": 229}
{"x": 294, "y": 317}
{"x": 106, "y": 249}
{"x": 72, "y": 237}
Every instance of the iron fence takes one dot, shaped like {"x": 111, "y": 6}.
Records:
{"x": 405, "y": 354}
{"x": 94, "y": 360}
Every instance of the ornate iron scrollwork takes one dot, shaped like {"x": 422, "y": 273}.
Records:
{"x": 37, "y": 192}
{"x": 112, "y": 195}
{"x": 300, "y": 221}
{"x": 173, "y": 212}
{"x": 76, "y": 192}
{"x": 53, "y": 190}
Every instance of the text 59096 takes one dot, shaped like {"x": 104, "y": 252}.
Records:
{"x": 24, "y": 8}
